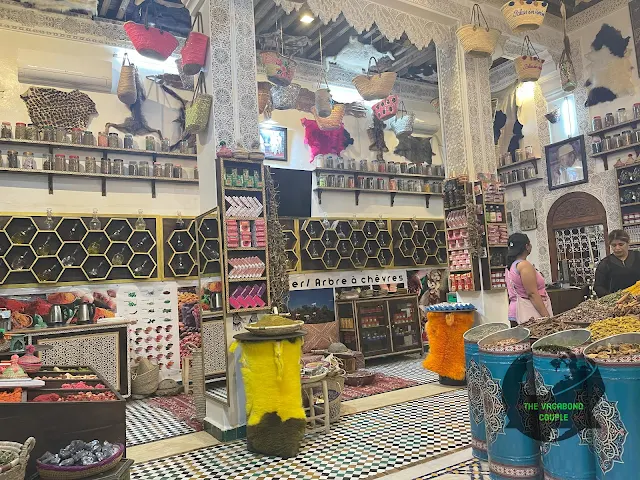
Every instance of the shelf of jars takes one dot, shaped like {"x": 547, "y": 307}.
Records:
{"x": 629, "y": 199}
{"x": 603, "y": 146}
{"x": 71, "y": 165}
{"x": 244, "y": 229}
{"x": 490, "y": 199}
{"x": 76, "y": 249}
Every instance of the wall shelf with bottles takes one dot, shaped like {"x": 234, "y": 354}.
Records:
{"x": 292, "y": 243}
{"x": 491, "y": 200}
{"x": 180, "y": 252}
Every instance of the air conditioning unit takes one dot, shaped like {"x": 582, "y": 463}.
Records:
{"x": 83, "y": 73}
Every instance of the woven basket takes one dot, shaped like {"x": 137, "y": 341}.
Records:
{"x": 333, "y": 121}
{"x": 374, "y": 87}
{"x": 19, "y": 455}
{"x": 280, "y": 69}
{"x": 4, "y": 345}
{"x": 264, "y": 95}
{"x": 529, "y": 64}
{"x": 56, "y": 472}
{"x": 324, "y": 102}
{"x": 402, "y": 123}
{"x": 168, "y": 387}
{"x": 478, "y": 40}
{"x": 386, "y": 108}
{"x": 306, "y": 100}
{"x": 523, "y": 15}
{"x": 145, "y": 379}
{"x": 150, "y": 41}
{"x": 285, "y": 98}
{"x": 127, "y": 84}
{"x": 335, "y": 384}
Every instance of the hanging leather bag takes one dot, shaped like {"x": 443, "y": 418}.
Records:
{"x": 194, "y": 51}
{"x": 198, "y": 112}
{"x": 127, "y": 90}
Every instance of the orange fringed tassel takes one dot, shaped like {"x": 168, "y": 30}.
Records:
{"x": 446, "y": 345}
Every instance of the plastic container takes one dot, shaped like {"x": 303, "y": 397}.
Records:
{"x": 474, "y": 386}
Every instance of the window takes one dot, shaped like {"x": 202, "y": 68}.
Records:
{"x": 567, "y": 124}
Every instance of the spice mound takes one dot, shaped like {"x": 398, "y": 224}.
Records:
{"x": 555, "y": 349}
{"x": 273, "y": 321}
{"x": 614, "y": 326}
{"x": 502, "y": 343}
{"x": 541, "y": 327}
{"x": 612, "y": 351}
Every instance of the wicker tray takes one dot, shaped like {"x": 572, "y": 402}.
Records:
{"x": 275, "y": 330}
{"x": 55, "y": 472}
{"x": 359, "y": 378}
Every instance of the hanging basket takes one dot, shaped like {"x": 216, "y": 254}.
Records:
{"x": 529, "y": 64}
{"x": 150, "y": 41}
{"x": 194, "y": 51}
{"x": 127, "y": 85}
{"x": 387, "y": 108}
{"x": 477, "y": 40}
{"x": 523, "y": 15}
{"x": 324, "y": 102}
{"x": 333, "y": 121}
{"x": 567, "y": 73}
{"x": 306, "y": 100}
{"x": 374, "y": 87}
{"x": 264, "y": 95}
{"x": 285, "y": 98}
{"x": 402, "y": 123}
{"x": 280, "y": 69}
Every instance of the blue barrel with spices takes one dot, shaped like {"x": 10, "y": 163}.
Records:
{"x": 615, "y": 409}
{"x": 561, "y": 375}
{"x": 474, "y": 385}
{"x": 508, "y": 396}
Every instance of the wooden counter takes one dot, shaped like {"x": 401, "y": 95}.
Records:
{"x": 563, "y": 299}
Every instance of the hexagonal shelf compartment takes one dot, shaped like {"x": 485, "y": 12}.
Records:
{"x": 358, "y": 239}
{"x": 331, "y": 259}
{"x": 47, "y": 270}
{"x": 21, "y": 230}
{"x": 72, "y": 254}
{"x": 46, "y": 244}
{"x": 329, "y": 239}
{"x": 370, "y": 229}
{"x": 405, "y": 229}
{"x": 441, "y": 238}
{"x": 181, "y": 264}
{"x": 345, "y": 249}
{"x": 419, "y": 238}
{"x": 290, "y": 239}
{"x": 292, "y": 261}
{"x": 4, "y": 270}
{"x": 119, "y": 254}
{"x": 142, "y": 241}
{"x": 20, "y": 257}
{"x": 141, "y": 265}
{"x": 385, "y": 257}
{"x": 209, "y": 228}
{"x": 342, "y": 228}
{"x": 5, "y": 243}
{"x": 71, "y": 230}
{"x": 430, "y": 229}
{"x": 211, "y": 250}
{"x": 441, "y": 256}
{"x": 372, "y": 248}
{"x": 315, "y": 249}
{"x": 118, "y": 229}
{"x": 420, "y": 256}
{"x": 313, "y": 229}
{"x": 407, "y": 248}
{"x": 359, "y": 258}
{"x": 181, "y": 241}
{"x": 384, "y": 238}
{"x": 96, "y": 267}
{"x": 96, "y": 242}
{"x": 431, "y": 247}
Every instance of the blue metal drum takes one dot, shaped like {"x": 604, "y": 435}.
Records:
{"x": 474, "y": 385}
{"x": 615, "y": 410}
{"x": 508, "y": 395}
{"x": 561, "y": 376}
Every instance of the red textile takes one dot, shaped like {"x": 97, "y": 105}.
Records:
{"x": 322, "y": 142}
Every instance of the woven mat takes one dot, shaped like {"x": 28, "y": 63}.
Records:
{"x": 180, "y": 406}
{"x": 381, "y": 384}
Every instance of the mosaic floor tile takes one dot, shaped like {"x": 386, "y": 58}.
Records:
{"x": 363, "y": 445}
{"x": 468, "y": 470}
{"x": 408, "y": 367}
{"x": 146, "y": 423}
{"x": 218, "y": 389}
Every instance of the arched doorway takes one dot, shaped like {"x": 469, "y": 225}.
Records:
{"x": 577, "y": 232}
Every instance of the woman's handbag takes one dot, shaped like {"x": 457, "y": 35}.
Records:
{"x": 279, "y": 69}
{"x": 127, "y": 91}
{"x": 402, "y": 123}
{"x": 194, "y": 51}
{"x": 387, "y": 108}
{"x": 285, "y": 98}
{"x": 525, "y": 309}
{"x": 150, "y": 41}
{"x": 198, "y": 113}
{"x": 169, "y": 16}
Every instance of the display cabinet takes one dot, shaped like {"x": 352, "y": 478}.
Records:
{"x": 292, "y": 243}
{"x": 380, "y": 327}
{"x": 419, "y": 243}
{"x": 180, "y": 252}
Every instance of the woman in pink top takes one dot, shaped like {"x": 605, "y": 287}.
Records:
{"x": 525, "y": 285}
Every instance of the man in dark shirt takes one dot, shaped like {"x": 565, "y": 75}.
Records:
{"x": 619, "y": 270}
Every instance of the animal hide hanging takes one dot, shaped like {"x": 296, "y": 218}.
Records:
{"x": 610, "y": 68}
{"x": 48, "y": 106}
{"x": 89, "y": 7}
{"x": 354, "y": 57}
{"x": 293, "y": 46}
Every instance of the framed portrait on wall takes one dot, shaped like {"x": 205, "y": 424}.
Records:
{"x": 566, "y": 163}
{"x": 273, "y": 142}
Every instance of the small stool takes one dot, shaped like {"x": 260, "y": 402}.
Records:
{"x": 186, "y": 374}
{"x": 310, "y": 411}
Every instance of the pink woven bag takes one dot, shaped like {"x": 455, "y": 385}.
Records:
{"x": 386, "y": 108}
{"x": 194, "y": 51}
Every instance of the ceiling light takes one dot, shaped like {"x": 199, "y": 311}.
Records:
{"x": 306, "y": 18}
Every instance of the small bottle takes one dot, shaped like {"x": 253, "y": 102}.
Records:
{"x": 95, "y": 223}
{"x": 118, "y": 234}
{"x": 94, "y": 248}
{"x": 118, "y": 258}
{"x": 19, "y": 262}
{"x": 50, "y": 273}
{"x": 140, "y": 223}
{"x": 139, "y": 247}
{"x": 70, "y": 260}
{"x": 49, "y": 223}
{"x": 23, "y": 236}
{"x": 180, "y": 268}
{"x": 196, "y": 174}
{"x": 44, "y": 249}
{"x": 74, "y": 231}
{"x": 139, "y": 270}
{"x": 94, "y": 272}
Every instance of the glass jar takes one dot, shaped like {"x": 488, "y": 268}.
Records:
{"x": 609, "y": 120}
{"x": 616, "y": 141}
{"x": 150, "y": 143}
{"x": 61, "y": 135}
{"x": 47, "y": 161}
{"x": 105, "y": 166}
{"x": 88, "y": 138}
{"x": 6, "y": 131}
{"x": 164, "y": 145}
{"x": 184, "y": 146}
{"x": 177, "y": 171}
{"x": 143, "y": 169}
{"x": 114, "y": 140}
{"x": 21, "y": 131}
{"x": 528, "y": 151}
{"x": 196, "y": 174}
{"x": 48, "y": 134}
{"x": 519, "y": 155}
{"x": 32, "y": 132}
{"x": 28, "y": 163}
{"x": 382, "y": 166}
{"x": 118, "y": 167}
{"x": 103, "y": 140}
{"x": 76, "y": 136}
{"x": 12, "y": 159}
{"x": 128, "y": 141}
{"x": 60, "y": 163}
{"x": 90, "y": 165}
{"x": 74, "y": 163}
{"x": 636, "y": 111}
{"x": 157, "y": 170}
{"x": 622, "y": 115}
{"x": 340, "y": 181}
{"x": 626, "y": 138}
{"x": 596, "y": 123}
{"x": 133, "y": 168}
{"x": 168, "y": 170}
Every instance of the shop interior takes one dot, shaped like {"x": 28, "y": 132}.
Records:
{"x": 274, "y": 238}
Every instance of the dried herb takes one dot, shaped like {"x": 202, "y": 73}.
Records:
{"x": 502, "y": 343}
{"x": 612, "y": 351}
{"x": 614, "y": 326}
{"x": 278, "y": 276}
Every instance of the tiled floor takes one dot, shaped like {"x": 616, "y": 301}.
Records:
{"x": 146, "y": 423}
{"x": 218, "y": 389}
{"x": 363, "y": 445}
{"x": 467, "y": 470}
{"x": 406, "y": 366}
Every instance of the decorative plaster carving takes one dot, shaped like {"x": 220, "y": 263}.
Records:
{"x": 594, "y": 13}
{"x": 481, "y": 124}
{"x": 502, "y": 76}
{"x": 222, "y": 71}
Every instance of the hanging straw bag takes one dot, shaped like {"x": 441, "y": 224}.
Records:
{"x": 567, "y": 71}
{"x": 264, "y": 95}
{"x": 197, "y": 114}
{"x": 306, "y": 100}
{"x": 127, "y": 91}
{"x": 374, "y": 87}
{"x": 402, "y": 123}
{"x": 150, "y": 41}
{"x": 476, "y": 40}
{"x": 333, "y": 121}
{"x": 324, "y": 102}
{"x": 285, "y": 98}
{"x": 387, "y": 108}
{"x": 194, "y": 51}
{"x": 280, "y": 69}
{"x": 529, "y": 64}
{"x": 523, "y": 15}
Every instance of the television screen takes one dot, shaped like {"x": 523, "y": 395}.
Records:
{"x": 294, "y": 187}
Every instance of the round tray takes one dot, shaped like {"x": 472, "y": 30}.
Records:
{"x": 275, "y": 330}
{"x": 359, "y": 378}
{"x": 56, "y": 472}
{"x": 315, "y": 378}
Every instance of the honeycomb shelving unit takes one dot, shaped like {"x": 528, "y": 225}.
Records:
{"x": 180, "y": 250}
{"x": 292, "y": 243}
{"x": 33, "y": 252}
{"x": 419, "y": 243}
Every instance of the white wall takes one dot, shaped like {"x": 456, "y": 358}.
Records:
{"x": 82, "y": 195}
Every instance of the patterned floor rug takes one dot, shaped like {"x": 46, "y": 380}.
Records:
{"x": 381, "y": 384}
{"x": 180, "y": 406}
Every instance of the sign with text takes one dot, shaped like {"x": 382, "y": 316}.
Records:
{"x": 310, "y": 281}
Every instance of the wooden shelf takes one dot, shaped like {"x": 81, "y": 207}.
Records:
{"x": 634, "y": 164}
{"x": 249, "y": 310}
{"x": 210, "y": 314}
{"x": 617, "y": 126}
{"x": 246, "y": 249}
{"x": 245, "y": 189}
{"x": 605, "y": 155}
{"x": 378, "y": 174}
{"x": 94, "y": 148}
{"x": 523, "y": 184}
{"x": 510, "y": 166}
{"x": 628, "y": 185}
{"x": 358, "y": 191}
{"x": 622, "y": 205}
{"x": 458, "y": 207}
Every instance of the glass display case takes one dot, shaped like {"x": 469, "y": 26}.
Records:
{"x": 373, "y": 322}
{"x": 405, "y": 324}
